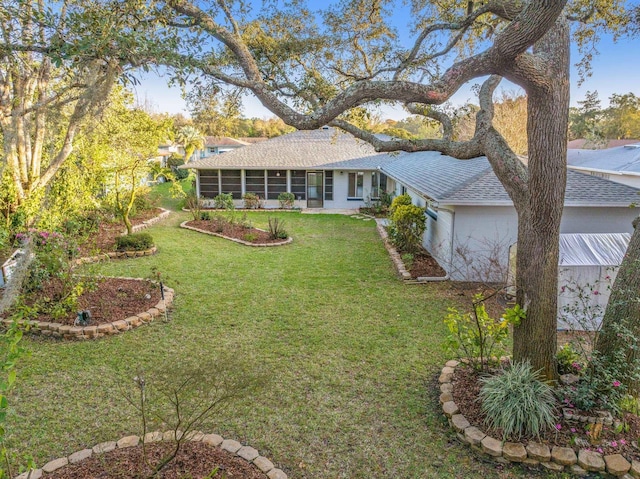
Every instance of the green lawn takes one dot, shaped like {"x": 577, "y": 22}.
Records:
{"x": 351, "y": 355}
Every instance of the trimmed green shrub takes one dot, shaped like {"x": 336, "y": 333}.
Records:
{"x": 518, "y": 402}
{"x": 402, "y": 200}
{"x": 224, "y": 201}
{"x": 134, "y": 242}
{"x": 407, "y": 227}
{"x": 252, "y": 201}
{"x": 286, "y": 200}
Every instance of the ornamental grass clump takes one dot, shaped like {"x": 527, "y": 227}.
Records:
{"x": 517, "y": 402}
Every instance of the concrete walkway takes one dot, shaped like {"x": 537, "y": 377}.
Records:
{"x": 328, "y": 211}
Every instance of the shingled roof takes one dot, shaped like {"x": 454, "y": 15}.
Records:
{"x": 449, "y": 181}
{"x": 326, "y": 148}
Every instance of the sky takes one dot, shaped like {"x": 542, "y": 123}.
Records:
{"x": 616, "y": 69}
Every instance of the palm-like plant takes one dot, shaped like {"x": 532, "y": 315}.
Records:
{"x": 191, "y": 140}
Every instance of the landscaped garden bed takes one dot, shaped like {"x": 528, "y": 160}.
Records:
{"x": 579, "y": 442}
{"x": 241, "y": 231}
{"x": 202, "y": 456}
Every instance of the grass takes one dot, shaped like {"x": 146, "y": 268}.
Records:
{"x": 351, "y": 355}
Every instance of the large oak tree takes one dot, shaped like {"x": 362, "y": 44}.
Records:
{"x": 315, "y": 73}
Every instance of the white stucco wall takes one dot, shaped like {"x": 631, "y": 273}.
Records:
{"x": 480, "y": 236}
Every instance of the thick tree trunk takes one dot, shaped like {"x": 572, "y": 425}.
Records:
{"x": 539, "y": 220}
{"x": 623, "y": 309}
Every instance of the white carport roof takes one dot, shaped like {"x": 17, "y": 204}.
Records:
{"x": 593, "y": 249}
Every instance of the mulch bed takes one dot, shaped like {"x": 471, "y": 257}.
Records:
{"x": 112, "y": 299}
{"x": 104, "y": 240}
{"x": 250, "y": 235}
{"x": 425, "y": 265}
{"x": 195, "y": 460}
{"x": 466, "y": 391}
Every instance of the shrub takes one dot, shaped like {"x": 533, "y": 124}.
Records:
{"x": 224, "y": 201}
{"x": 173, "y": 162}
{"x": 252, "y": 201}
{"x": 250, "y": 237}
{"x": 407, "y": 227}
{"x": 276, "y": 229}
{"x": 402, "y": 200}
{"x": 204, "y": 215}
{"x": 518, "y": 402}
{"x": 143, "y": 202}
{"x": 286, "y": 200}
{"x": 194, "y": 204}
{"x": 476, "y": 336}
{"x": 569, "y": 360}
{"x": 134, "y": 242}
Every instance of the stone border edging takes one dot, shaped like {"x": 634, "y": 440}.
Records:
{"x": 247, "y": 453}
{"x": 557, "y": 459}
{"x": 127, "y": 254}
{"x": 397, "y": 259}
{"x": 66, "y": 331}
{"x": 236, "y": 240}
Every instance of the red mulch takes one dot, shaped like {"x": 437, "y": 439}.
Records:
{"x": 425, "y": 265}
{"x": 466, "y": 390}
{"x": 250, "y": 235}
{"x": 195, "y": 460}
{"x": 111, "y": 300}
{"x": 104, "y": 240}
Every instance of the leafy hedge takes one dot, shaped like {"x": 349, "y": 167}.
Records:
{"x": 134, "y": 242}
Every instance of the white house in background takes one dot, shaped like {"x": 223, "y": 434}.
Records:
{"x": 620, "y": 164}
{"x": 215, "y": 145}
{"x": 471, "y": 221}
{"x": 323, "y": 168}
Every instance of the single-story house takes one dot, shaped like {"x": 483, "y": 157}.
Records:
{"x": 620, "y": 164}
{"x": 323, "y": 168}
{"x": 471, "y": 221}
{"x": 215, "y": 145}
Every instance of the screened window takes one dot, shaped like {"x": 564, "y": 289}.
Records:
{"x": 232, "y": 183}
{"x": 328, "y": 185}
{"x": 276, "y": 183}
{"x": 356, "y": 182}
{"x": 209, "y": 183}
{"x": 254, "y": 182}
{"x": 299, "y": 184}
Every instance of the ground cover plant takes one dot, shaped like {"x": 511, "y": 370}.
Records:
{"x": 352, "y": 355}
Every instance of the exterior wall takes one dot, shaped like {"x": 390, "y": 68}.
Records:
{"x": 598, "y": 220}
{"x": 479, "y": 237}
{"x": 340, "y": 192}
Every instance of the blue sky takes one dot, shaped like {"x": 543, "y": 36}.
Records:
{"x": 616, "y": 69}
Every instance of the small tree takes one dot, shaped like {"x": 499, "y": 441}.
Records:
{"x": 191, "y": 140}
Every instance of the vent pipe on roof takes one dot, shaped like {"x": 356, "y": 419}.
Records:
{"x": 635, "y": 146}
{"x": 325, "y": 127}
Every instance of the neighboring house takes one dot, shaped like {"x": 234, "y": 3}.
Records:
{"x": 597, "y": 144}
{"x": 471, "y": 221}
{"x": 215, "y": 145}
{"x": 323, "y": 168}
{"x": 620, "y": 164}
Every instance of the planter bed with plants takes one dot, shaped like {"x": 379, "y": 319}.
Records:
{"x": 102, "y": 244}
{"x": 240, "y": 231}
{"x": 201, "y": 456}
{"x": 422, "y": 266}
{"x": 577, "y": 443}
{"x": 113, "y": 304}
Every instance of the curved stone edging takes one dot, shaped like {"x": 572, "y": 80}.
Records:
{"x": 66, "y": 331}
{"x": 247, "y": 453}
{"x": 557, "y": 459}
{"x": 127, "y": 254}
{"x": 236, "y": 240}
{"x": 114, "y": 255}
{"x": 397, "y": 259}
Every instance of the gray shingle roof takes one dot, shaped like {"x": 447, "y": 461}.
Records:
{"x": 223, "y": 141}
{"x": 323, "y": 148}
{"x": 622, "y": 159}
{"x": 472, "y": 182}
